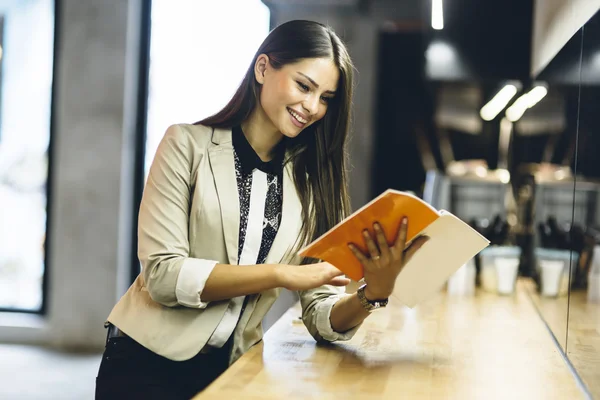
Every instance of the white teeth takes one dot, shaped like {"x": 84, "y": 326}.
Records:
{"x": 298, "y": 117}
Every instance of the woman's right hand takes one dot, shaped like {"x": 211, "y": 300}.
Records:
{"x": 310, "y": 276}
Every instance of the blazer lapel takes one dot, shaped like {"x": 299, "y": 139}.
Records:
{"x": 291, "y": 221}
{"x": 222, "y": 164}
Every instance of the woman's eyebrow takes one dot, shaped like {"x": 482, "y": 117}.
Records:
{"x": 315, "y": 84}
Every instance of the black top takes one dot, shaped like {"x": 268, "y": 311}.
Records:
{"x": 246, "y": 161}
{"x": 250, "y": 160}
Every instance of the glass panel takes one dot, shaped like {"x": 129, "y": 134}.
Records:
{"x": 583, "y": 340}
{"x": 545, "y": 191}
{"x": 547, "y": 195}
{"x": 26, "y": 67}
{"x": 185, "y": 92}
{"x": 505, "y": 143}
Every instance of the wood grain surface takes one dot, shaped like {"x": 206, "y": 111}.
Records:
{"x": 583, "y": 345}
{"x": 554, "y": 311}
{"x": 480, "y": 347}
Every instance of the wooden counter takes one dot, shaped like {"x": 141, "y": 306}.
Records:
{"x": 583, "y": 345}
{"x": 583, "y": 337}
{"x": 553, "y": 310}
{"x": 482, "y": 347}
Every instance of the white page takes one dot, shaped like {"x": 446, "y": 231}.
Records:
{"x": 451, "y": 244}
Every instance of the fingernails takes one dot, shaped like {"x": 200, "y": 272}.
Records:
{"x": 377, "y": 226}
{"x": 404, "y": 221}
{"x": 366, "y": 233}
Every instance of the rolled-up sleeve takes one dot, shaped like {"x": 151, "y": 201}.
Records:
{"x": 316, "y": 312}
{"x": 171, "y": 276}
{"x": 191, "y": 280}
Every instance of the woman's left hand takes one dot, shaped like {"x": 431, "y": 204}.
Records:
{"x": 384, "y": 262}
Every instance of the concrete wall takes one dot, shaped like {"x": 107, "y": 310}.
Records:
{"x": 92, "y": 173}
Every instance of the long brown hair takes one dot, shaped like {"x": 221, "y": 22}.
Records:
{"x": 318, "y": 153}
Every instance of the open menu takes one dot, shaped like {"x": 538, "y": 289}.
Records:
{"x": 451, "y": 244}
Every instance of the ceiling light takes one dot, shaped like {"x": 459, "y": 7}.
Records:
{"x": 506, "y": 130}
{"x": 596, "y": 59}
{"x": 457, "y": 168}
{"x": 440, "y": 53}
{"x": 437, "y": 15}
{"x": 503, "y": 175}
{"x": 535, "y": 95}
{"x": 481, "y": 171}
{"x": 560, "y": 174}
{"x": 498, "y": 102}
{"x": 526, "y": 101}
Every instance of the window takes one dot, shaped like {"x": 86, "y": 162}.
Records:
{"x": 199, "y": 52}
{"x": 26, "y": 69}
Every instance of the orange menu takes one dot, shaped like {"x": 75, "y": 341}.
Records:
{"x": 451, "y": 243}
{"x": 388, "y": 209}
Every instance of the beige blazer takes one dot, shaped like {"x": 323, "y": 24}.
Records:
{"x": 189, "y": 211}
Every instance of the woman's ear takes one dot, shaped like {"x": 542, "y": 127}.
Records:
{"x": 260, "y": 67}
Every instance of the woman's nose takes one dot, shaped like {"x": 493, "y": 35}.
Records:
{"x": 311, "y": 104}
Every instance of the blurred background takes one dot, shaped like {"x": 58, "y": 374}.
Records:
{"x": 486, "y": 109}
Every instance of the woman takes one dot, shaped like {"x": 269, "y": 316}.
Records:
{"x": 227, "y": 204}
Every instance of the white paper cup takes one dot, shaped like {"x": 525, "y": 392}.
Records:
{"x": 552, "y": 273}
{"x": 488, "y": 274}
{"x": 462, "y": 282}
{"x": 593, "y": 290}
{"x": 507, "y": 269}
{"x": 595, "y": 267}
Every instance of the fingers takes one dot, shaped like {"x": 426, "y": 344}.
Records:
{"x": 339, "y": 281}
{"x": 335, "y": 276}
{"x": 311, "y": 276}
{"x": 419, "y": 242}
{"x": 358, "y": 254}
{"x": 400, "y": 243}
{"x": 331, "y": 271}
{"x": 414, "y": 246}
{"x": 384, "y": 249}
{"x": 371, "y": 246}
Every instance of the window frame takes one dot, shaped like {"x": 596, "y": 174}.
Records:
{"x": 49, "y": 180}
{"x": 140, "y": 131}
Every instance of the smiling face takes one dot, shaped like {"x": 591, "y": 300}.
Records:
{"x": 296, "y": 95}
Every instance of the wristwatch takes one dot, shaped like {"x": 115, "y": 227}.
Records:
{"x": 369, "y": 305}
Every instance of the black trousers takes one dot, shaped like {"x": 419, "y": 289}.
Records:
{"x": 130, "y": 371}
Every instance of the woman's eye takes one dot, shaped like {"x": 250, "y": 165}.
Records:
{"x": 303, "y": 86}
{"x": 326, "y": 99}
